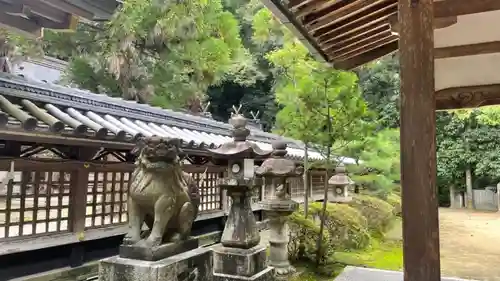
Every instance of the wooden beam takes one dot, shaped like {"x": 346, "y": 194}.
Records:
{"x": 438, "y": 22}
{"x": 40, "y": 15}
{"x": 467, "y": 50}
{"x": 418, "y": 141}
{"x": 450, "y": 8}
{"x": 21, "y": 25}
{"x": 367, "y": 57}
{"x": 26, "y": 7}
{"x": 350, "y": 9}
{"x": 467, "y": 97}
{"x": 69, "y": 8}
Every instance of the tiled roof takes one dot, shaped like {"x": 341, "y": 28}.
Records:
{"x": 43, "y": 107}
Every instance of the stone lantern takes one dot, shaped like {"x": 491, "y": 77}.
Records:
{"x": 240, "y": 256}
{"x": 279, "y": 205}
{"x": 339, "y": 184}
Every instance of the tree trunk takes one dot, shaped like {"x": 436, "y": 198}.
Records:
{"x": 468, "y": 184}
{"x": 498, "y": 197}
{"x": 306, "y": 181}
{"x": 453, "y": 204}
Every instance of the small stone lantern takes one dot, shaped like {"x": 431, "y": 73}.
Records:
{"x": 240, "y": 255}
{"x": 339, "y": 184}
{"x": 279, "y": 205}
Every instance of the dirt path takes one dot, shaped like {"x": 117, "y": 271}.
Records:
{"x": 470, "y": 244}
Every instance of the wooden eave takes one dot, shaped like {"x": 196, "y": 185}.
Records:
{"x": 350, "y": 33}
{"x": 31, "y": 16}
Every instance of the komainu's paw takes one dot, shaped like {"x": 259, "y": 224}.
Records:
{"x": 149, "y": 242}
{"x": 176, "y": 237}
{"x": 131, "y": 238}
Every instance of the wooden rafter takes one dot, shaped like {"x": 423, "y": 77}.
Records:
{"x": 311, "y": 8}
{"x": 363, "y": 18}
{"x": 357, "y": 35}
{"x": 360, "y": 23}
{"x": 351, "y": 9}
{"x": 368, "y": 47}
{"x": 344, "y": 28}
{"x": 468, "y": 50}
{"x": 296, "y": 4}
{"x": 362, "y": 43}
{"x": 367, "y": 56}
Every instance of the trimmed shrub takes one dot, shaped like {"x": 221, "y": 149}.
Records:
{"x": 303, "y": 237}
{"x": 395, "y": 201}
{"x": 346, "y": 226}
{"x": 378, "y": 213}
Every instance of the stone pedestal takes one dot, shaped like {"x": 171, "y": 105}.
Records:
{"x": 241, "y": 229}
{"x": 241, "y": 264}
{"x": 278, "y": 212}
{"x": 160, "y": 252}
{"x": 194, "y": 265}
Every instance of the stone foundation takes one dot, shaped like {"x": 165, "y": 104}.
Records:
{"x": 194, "y": 265}
{"x": 241, "y": 264}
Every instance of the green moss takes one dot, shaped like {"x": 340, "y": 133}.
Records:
{"x": 381, "y": 254}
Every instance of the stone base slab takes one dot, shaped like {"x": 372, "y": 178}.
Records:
{"x": 352, "y": 273}
{"x": 265, "y": 275}
{"x": 239, "y": 262}
{"x": 160, "y": 252}
{"x": 194, "y": 265}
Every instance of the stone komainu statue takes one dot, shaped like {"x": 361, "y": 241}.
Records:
{"x": 160, "y": 194}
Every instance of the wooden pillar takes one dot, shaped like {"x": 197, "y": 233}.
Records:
{"x": 418, "y": 141}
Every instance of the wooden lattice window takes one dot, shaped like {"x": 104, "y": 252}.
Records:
{"x": 106, "y": 198}
{"x": 210, "y": 194}
{"x": 318, "y": 183}
{"x": 296, "y": 187}
{"x": 34, "y": 202}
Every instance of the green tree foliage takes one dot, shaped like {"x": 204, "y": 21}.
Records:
{"x": 259, "y": 96}
{"x": 320, "y": 105}
{"x": 379, "y": 82}
{"x": 378, "y": 162}
{"x": 469, "y": 139}
{"x": 163, "y": 52}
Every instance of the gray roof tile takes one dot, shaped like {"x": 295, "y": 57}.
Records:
{"x": 106, "y": 117}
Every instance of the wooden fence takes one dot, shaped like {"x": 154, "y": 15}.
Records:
{"x": 62, "y": 202}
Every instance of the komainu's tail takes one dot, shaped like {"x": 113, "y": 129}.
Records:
{"x": 194, "y": 192}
